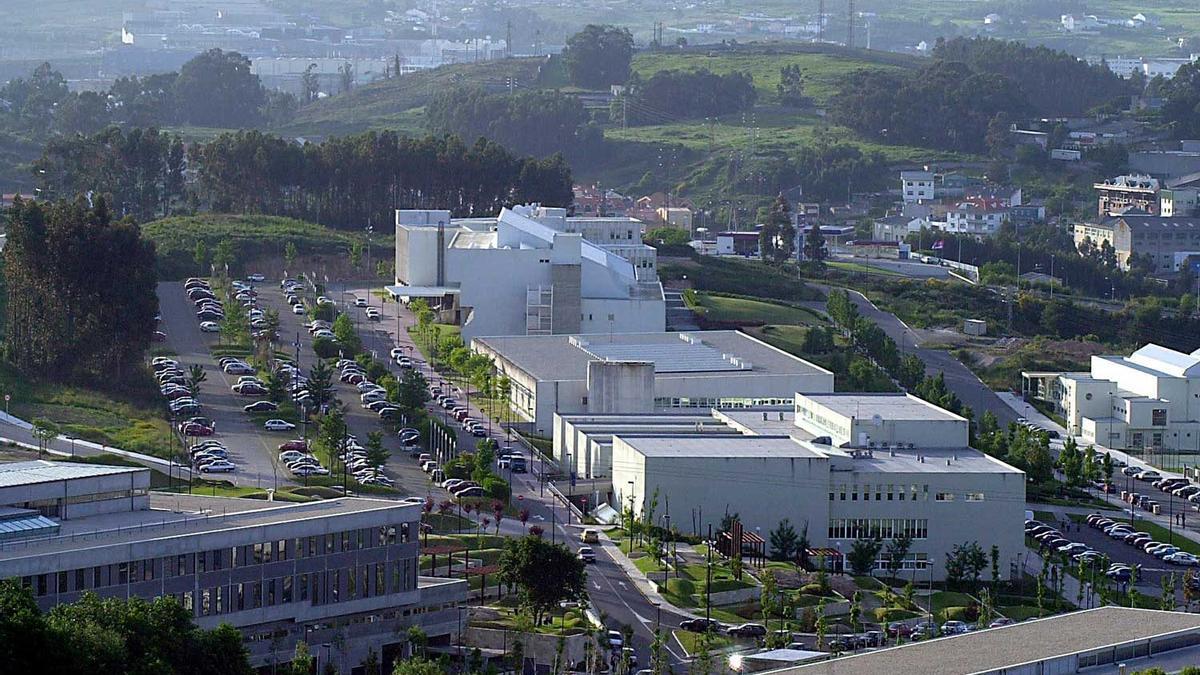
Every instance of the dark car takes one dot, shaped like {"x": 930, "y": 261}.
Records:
{"x": 749, "y": 630}
{"x": 700, "y": 625}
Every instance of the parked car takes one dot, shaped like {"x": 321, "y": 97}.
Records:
{"x": 294, "y": 444}
{"x": 1002, "y": 621}
{"x": 700, "y": 625}
{"x": 472, "y": 492}
{"x": 748, "y": 630}
{"x": 1148, "y": 474}
{"x": 219, "y": 467}
{"x": 278, "y": 425}
{"x": 261, "y": 406}
{"x": 954, "y": 627}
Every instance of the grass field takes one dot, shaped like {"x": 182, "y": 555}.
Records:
{"x": 252, "y": 237}
{"x": 750, "y": 312}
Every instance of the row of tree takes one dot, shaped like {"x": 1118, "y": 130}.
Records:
{"x": 539, "y": 123}
{"x": 671, "y": 95}
{"x": 342, "y": 182}
{"x": 216, "y": 88}
{"x": 81, "y": 304}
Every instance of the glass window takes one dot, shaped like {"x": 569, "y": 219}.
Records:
{"x": 287, "y": 590}
{"x": 303, "y": 587}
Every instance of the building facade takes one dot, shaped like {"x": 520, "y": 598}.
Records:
{"x": 530, "y": 271}
{"x": 1137, "y": 234}
{"x": 342, "y": 570}
{"x": 1117, "y": 195}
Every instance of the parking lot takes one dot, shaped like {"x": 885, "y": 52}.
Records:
{"x": 251, "y": 447}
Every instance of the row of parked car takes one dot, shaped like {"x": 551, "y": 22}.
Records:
{"x": 291, "y": 291}
{"x": 1123, "y": 531}
{"x": 211, "y": 456}
{"x": 459, "y": 412}
{"x": 296, "y": 456}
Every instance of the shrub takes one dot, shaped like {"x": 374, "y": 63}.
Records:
{"x": 497, "y": 488}
{"x": 681, "y": 587}
{"x": 808, "y": 620}
{"x": 889, "y": 614}
{"x": 326, "y": 348}
{"x": 814, "y": 588}
{"x": 324, "y": 311}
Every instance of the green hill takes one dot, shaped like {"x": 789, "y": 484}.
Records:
{"x": 395, "y": 104}
{"x": 252, "y": 236}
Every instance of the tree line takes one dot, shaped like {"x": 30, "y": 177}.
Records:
{"x": 539, "y": 123}
{"x": 344, "y": 182}
{"x": 81, "y": 300}
{"x": 669, "y": 95}
{"x": 215, "y": 88}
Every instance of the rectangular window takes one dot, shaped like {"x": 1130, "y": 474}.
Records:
{"x": 202, "y": 562}
{"x": 287, "y": 589}
{"x": 335, "y": 587}
{"x": 240, "y": 597}
{"x": 281, "y": 549}
{"x": 351, "y": 582}
{"x": 271, "y": 593}
{"x": 220, "y": 595}
{"x": 256, "y": 595}
{"x": 944, "y": 497}
{"x": 123, "y": 573}
{"x": 79, "y": 579}
{"x": 1158, "y": 417}
{"x": 97, "y": 581}
{"x": 189, "y": 602}
{"x": 302, "y": 584}
{"x": 380, "y": 580}
{"x": 206, "y": 602}
{"x": 974, "y": 496}
{"x": 61, "y": 585}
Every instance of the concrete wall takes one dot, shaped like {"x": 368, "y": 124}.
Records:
{"x": 131, "y": 486}
{"x": 620, "y": 386}
{"x": 761, "y": 490}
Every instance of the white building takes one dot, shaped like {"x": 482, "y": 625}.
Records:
{"x": 335, "y": 570}
{"x": 977, "y": 217}
{"x": 530, "y": 271}
{"x": 916, "y": 186}
{"x": 643, "y": 372}
{"x": 1149, "y": 399}
{"x": 767, "y": 465}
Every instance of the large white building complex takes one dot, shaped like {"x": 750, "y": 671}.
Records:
{"x": 1147, "y": 400}
{"x": 644, "y": 372}
{"x": 844, "y": 465}
{"x": 531, "y": 270}
{"x": 335, "y": 571}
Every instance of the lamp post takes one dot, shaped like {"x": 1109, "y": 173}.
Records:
{"x": 629, "y": 525}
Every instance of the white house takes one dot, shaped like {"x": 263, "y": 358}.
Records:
{"x": 530, "y": 271}
{"x": 916, "y": 186}
{"x": 977, "y": 216}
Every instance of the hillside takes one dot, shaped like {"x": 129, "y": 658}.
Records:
{"x": 255, "y": 238}
{"x": 395, "y": 104}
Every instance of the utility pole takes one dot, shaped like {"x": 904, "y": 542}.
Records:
{"x": 508, "y": 50}
{"x": 820, "y": 20}
{"x": 850, "y": 26}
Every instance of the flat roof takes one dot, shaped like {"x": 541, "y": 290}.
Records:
{"x": 174, "y": 515}
{"x": 1009, "y": 646}
{"x": 565, "y": 357}
{"x": 401, "y": 290}
{"x": 919, "y": 460}
{"x": 727, "y": 447}
{"x": 890, "y": 407}
{"x": 16, "y": 474}
{"x": 777, "y": 422}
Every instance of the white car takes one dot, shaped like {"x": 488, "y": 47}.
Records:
{"x": 360, "y": 302}
{"x": 219, "y": 466}
{"x": 1182, "y": 558}
{"x": 397, "y": 352}
{"x": 297, "y": 309}
{"x": 256, "y": 277}
{"x": 210, "y": 327}
{"x": 278, "y": 425}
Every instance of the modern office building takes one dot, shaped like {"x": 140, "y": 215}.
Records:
{"x": 531, "y": 270}
{"x": 644, "y": 372}
{"x": 846, "y": 466}
{"x": 1147, "y": 400}
{"x": 339, "y": 571}
{"x": 1102, "y": 640}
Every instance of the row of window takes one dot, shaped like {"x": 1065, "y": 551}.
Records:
{"x": 318, "y": 588}
{"x": 950, "y": 496}
{"x": 148, "y": 569}
{"x": 53, "y": 508}
{"x": 879, "y": 492}
{"x": 713, "y": 402}
{"x": 883, "y": 528}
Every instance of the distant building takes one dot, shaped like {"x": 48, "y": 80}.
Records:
{"x": 1149, "y": 399}
{"x": 1141, "y": 234}
{"x": 677, "y": 217}
{"x": 530, "y": 270}
{"x": 1116, "y": 195}
{"x": 744, "y": 244}
{"x": 977, "y": 216}
{"x": 1078, "y": 23}
{"x": 917, "y": 186}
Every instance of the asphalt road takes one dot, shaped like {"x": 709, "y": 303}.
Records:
{"x": 959, "y": 379}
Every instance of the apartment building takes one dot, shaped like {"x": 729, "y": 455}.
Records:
{"x": 1141, "y": 234}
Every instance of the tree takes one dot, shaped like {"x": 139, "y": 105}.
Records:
{"x": 80, "y": 287}
{"x": 289, "y": 253}
{"x": 544, "y": 573}
{"x": 377, "y": 455}
{"x": 965, "y": 562}
{"x": 897, "y": 551}
{"x": 345, "y": 334}
{"x": 814, "y": 244}
{"x": 667, "y": 236}
{"x": 599, "y": 56}
{"x": 217, "y": 89}
{"x": 302, "y": 660}
{"x": 417, "y": 666}
{"x": 780, "y": 218}
{"x": 333, "y": 435}
{"x": 863, "y": 554}
{"x": 196, "y": 376}
{"x": 44, "y": 431}
{"x": 817, "y": 340}
{"x": 1071, "y": 462}
{"x": 346, "y": 76}
{"x": 200, "y": 257}
{"x": 791, "y": 86}
{"x": 310, "y": 84}
{"x": 412, "y": 392}
{"x": 783, "y": 541}
{"x": 223, "y": 258}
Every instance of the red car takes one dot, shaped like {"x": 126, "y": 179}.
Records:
{"x": 295, "y": 444}
{"x": 196, "y": 429}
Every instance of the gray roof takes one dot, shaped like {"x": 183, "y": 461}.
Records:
{"x": 887, "y": 406}
{"x": 1146, "y": 222}
{"x": 727, "y": 447}
{"x": 559, "y": 357}
{"x": 997, "y": 648}
{"x": 920, "y": 460}
{"x": 15, "y": 474}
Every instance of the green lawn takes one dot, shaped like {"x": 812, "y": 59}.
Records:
{"x": 690, "y": 641}
{"x": 1020, "y": 612}
{"x": 747, "y": 311}
{"x": 1163, "y": 534}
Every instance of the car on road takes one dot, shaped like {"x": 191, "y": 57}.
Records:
{"x": 1131, "y": 470}
{"x": 748, "y": 630}
{"x": 210, "y": 327}
{"x": 590, "y": 536}
{"x": 360, "y": 302}
{"x": 218, "y": 467}
{"x": 700, "y": 625}
{"x": 373, "y": 314}
{"x": 278, "y": 425}
{"x": 261, "y": 406}
{"x": 615, "y": 639}
{"x": 587, "y": 555}
{"x": 298, "y": 309}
